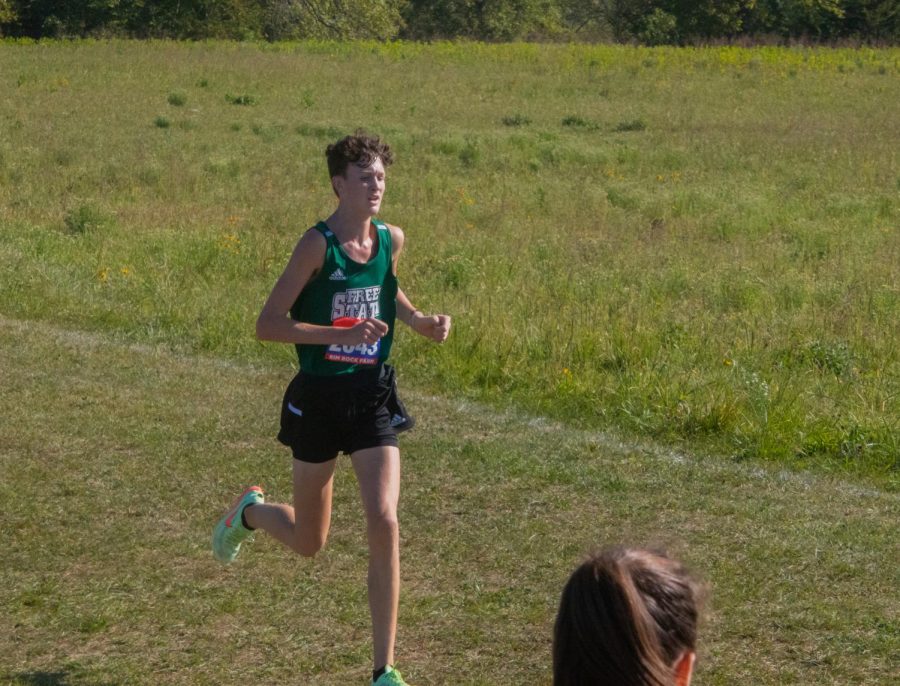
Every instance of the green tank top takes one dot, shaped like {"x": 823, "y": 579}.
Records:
{"x": 345, "y": 288}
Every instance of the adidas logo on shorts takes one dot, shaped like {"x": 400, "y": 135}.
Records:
{"x": 338, "y": 275}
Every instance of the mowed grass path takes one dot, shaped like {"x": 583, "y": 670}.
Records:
{"x": 115, "y": 459}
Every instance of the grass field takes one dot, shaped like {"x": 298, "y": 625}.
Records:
{"x": 674, "y": 281}
{"x": 116, "y": 457}
{"x": 695, "y": 245}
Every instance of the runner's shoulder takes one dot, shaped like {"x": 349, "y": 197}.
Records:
{"x": 312, "y": 241}
{"x": 397, "y": 236}
{"x": 310, "y": 250}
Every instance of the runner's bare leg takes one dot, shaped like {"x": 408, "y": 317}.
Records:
{"x": 378, "y": 473}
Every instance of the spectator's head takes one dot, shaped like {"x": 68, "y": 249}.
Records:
{"x": 627, "y": 617}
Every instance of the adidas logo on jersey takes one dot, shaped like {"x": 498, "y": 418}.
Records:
{"x": 337, "y": 275}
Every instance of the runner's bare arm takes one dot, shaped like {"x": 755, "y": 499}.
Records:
{"x": 274, "y": 322}
{"x": 435, "y": 326}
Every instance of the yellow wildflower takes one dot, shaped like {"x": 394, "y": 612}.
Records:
{"x": 231, "y": 243}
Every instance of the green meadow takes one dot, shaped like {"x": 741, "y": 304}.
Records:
{"x": 673, "y": 275}
{"x": 699, "y": 246}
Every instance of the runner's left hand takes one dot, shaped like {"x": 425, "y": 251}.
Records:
{"x": 435, "y": 326}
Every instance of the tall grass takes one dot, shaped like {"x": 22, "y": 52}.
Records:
{"x": 700, "y": 245}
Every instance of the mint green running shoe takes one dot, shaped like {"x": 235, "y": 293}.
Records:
{"x": 391, "y": 677}
{"x": 229, "y": 533}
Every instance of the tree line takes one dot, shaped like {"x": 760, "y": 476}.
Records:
{"x": 651, "y": 22}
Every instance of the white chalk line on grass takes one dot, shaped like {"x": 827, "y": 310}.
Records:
{"x": 617, "y": 445}
{"x": 94, "y": 340}
{"x": 646, "y": 448}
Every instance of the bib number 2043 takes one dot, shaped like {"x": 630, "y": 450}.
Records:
{"x": 354, "y": 354}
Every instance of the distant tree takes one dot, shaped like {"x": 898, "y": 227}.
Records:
{"x": 659, "y": 21}
{"x": 516, "y": 19}
{"x": 7, "y": 12}
{"x": 39, "y": 18}
{"x": 439, "y": 19}
{"x": 236, "y": 19}
{"x": 877, "y": 20}
{"x": 163, "y": 18}
{"x": 819, "y": 19}
{"x": 340, "y": 19}
{"x": 706, "y": 19}
{"x": 647, "y": 21}
{"x": 8, "y": 16}
{"x": 815, "y": 18}
{"x": 481, "y": 19}
{"x": 659, "y": 28}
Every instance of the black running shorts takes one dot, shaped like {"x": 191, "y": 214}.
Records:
{"x": 322, "y": 416}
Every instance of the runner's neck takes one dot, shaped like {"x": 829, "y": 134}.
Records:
{"x": 350, "y": 228}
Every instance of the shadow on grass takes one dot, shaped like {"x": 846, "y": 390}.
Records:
{"x": 40, "y": 678}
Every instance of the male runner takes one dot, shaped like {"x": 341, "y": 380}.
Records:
{"x": 343, "y": 272}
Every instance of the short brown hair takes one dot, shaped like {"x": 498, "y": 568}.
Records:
{"x": 359, "y": 149}
{"x": 625, "y": 618}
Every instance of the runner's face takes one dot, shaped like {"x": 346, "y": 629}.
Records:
{"x": 362, "y": 187}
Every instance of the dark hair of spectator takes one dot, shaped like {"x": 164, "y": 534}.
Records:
{"x": 626, "y": 617}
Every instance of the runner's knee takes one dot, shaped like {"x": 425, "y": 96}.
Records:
{"x": 307, "y": 545}
{"x": 383, "y": 524}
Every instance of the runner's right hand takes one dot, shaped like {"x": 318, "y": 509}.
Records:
{"x": 366, "y": 331}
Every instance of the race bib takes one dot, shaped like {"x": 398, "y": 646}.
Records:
{"x": 354, "y": 354}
